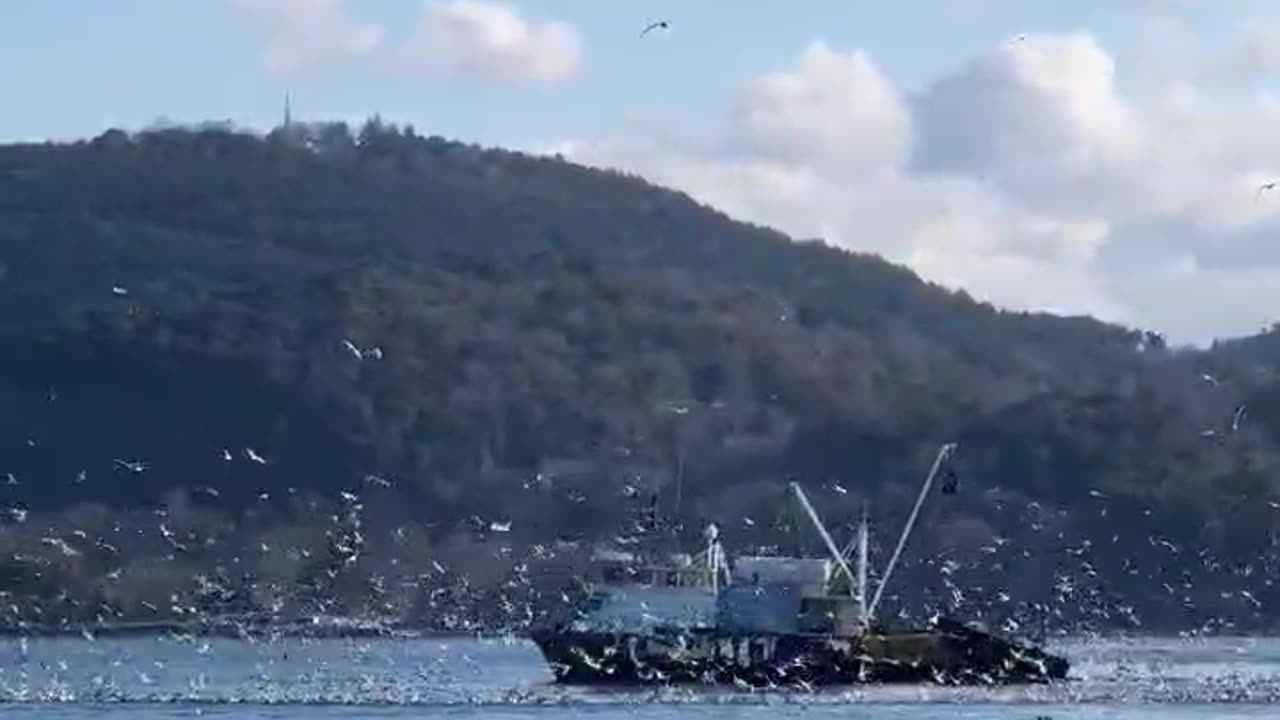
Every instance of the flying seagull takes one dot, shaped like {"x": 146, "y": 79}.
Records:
{"x": 360, "y": 353}
{"x": 654, "y": 26}
{"x": 1235, "y": 419}
{"x": 1269, "y": 185}
{"x": 131, "y": 466}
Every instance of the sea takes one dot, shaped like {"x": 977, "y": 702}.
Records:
{"x": 469, "y": 678}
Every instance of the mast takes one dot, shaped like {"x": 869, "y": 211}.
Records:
{"x": 862, "y": 568}
{"x": 826, "y": 537}
{"x": 712, "y": 534}
{"x": 943, "y": 453}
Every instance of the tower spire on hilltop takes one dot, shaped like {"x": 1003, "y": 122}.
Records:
{"x": 288, "y": 113}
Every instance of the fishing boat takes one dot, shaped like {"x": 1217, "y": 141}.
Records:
{"x": 763, "y": 621}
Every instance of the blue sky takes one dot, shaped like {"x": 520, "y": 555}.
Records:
{"x": 1082, "y": 157}
{"x": 73, "y": 67}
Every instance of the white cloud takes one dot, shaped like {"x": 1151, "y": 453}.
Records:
{"x": 1257, "y": 55}
{"x": 492, "y": 41}
{"x": 833, "y": 108}
{"x": 1039, "y": 116}
{"x": 1029, "y": 175}
{"x": 301, "y": 35}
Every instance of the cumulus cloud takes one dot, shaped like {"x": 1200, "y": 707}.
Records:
{"x": 1029, "y": 175}
{"x": 301, "y": 35}
{"x": 1040, "y": 116}
{"x": 492, "y": 41}
{"x": 1257, "y": 55}
{"x": 833, "y": 108}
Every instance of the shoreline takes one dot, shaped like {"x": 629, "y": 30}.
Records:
{"x": 233, "y": 630}
{"x": 247, "y": 631}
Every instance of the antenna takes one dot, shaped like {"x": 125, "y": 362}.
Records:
{"x": 288, "y": 113}
{"x": 943, "y": 453}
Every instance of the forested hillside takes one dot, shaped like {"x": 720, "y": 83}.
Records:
{"x": 324, "y": 369}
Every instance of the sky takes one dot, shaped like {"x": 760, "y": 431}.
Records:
{"x": 1099, "y": 157}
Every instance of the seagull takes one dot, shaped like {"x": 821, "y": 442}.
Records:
{"x": 1235, "y": 419}
{"x": 500, "y": 527}
{"x": 226, "y": 454}
{"x": 1268, "y": 185}
{"x": 249, "y": 453}
{"x": 119, "y": 291}
{"x": 373, "y": 352}
{"x": 1209, "y": 378}
{"x": 663, "y": 24}
{"x": 131, "y": 466}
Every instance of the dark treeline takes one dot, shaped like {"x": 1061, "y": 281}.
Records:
{"x": 322, "y": 370}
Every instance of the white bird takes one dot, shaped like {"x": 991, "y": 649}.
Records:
{"x": 360, "y": 354}
{"x": 500, "y": 527}
{"x": 1235, "y": 419}
{"x": 131, "y": 465}
{"x": 61, "y": 544}
{"x": 226, "y": 454}
{"x": 119, "y": 291}
{"x": 1209, "y": 378}
{"x": 249, "y": 453}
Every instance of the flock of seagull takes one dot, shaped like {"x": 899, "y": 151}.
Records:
{"x": 1235, "y": 417}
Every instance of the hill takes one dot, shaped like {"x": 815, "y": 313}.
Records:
{"x": 323, "y": 369}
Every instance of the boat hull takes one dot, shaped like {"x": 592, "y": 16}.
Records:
{"x": 959, "y": 657}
